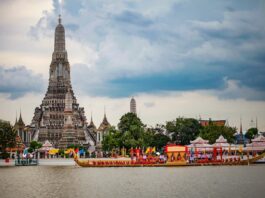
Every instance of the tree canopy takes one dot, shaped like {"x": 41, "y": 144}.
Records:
{"x": 132, "y": 133}
{"x": 183, "y": 130}
{"x": 212, "y": 132}
{"x": 112, "y": 139}
{"x": 250, "y": 134}
{"x": 34, "y": 145}
{"x": 7, "y": 136}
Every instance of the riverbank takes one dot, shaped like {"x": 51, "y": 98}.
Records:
{"x": 45, "y": 162}
{"x": 53, "y": 161}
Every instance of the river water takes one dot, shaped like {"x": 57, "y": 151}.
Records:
{"x": 73, "y": 181}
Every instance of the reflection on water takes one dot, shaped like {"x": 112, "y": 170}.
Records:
{"x": 73, "y": 181}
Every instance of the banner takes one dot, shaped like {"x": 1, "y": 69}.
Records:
{"x": 53, "y": 151}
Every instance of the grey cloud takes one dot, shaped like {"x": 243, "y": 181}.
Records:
{"x": 234, "y": 90}
{"x": 133, "y": 18}
{"x": 18, "y": 81}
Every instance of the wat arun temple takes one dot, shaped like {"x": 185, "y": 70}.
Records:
{"x": 59, "y": 119}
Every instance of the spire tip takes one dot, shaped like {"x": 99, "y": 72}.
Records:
{"x": 59, "y": 19}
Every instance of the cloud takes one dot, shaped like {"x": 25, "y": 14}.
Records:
{"x": 133, "y": 18}
{"x": 127, "y": 47}
{"x": 234, "y": 90}
{"x": 168, "y": 106}
{"x": 18, "y": 81}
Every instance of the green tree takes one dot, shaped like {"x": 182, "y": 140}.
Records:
{"x": 155, "y": 137}
{"x": 130, "y": 122}
{"x": 160, "y": 140}
{"x": 35, "y": 145}
{"x": 130, "y": 133}
{"x": 7, "y": 136}
{"x": 112, "y": 139}
{"x": 132, "y": 130}
{"x": 250, "y": 134}
{"x": 212, "y": 132}
{"x": 183, "y": 130}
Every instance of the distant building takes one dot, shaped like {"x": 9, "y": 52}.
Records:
{"x": 133, "y": 106}
{"x": 213, "y": 122}
{"x": 23, "y": 134}
{"x": 101, "y": 132}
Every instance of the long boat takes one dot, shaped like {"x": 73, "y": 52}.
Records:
{"x": 131, "y": 163}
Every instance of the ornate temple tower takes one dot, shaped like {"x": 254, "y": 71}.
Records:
{"x": 102, "y": 131}
{"x": 22, "y": 131}
{"x": 133, "y": 106}
{"x": 51, "y": 118}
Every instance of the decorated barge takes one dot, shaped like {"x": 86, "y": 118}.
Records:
{"x": 174, "y": 156}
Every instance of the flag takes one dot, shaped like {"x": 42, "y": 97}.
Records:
{"x": 147, "y": 150}
{"x": 76, "y": 150}
{"x": 214, "y": 153}
{"x": 221, "y": 153}
{"x": 53, "y": 151}
{"x": 81, "y": 152}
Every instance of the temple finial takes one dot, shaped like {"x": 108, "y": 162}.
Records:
{"x": 241, "y": 131}
{"x": 16, "y": 117}
{"x": 91, "y": 120}
{"x": 59, "y": 19}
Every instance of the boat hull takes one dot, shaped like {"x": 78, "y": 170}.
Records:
{"x": 129, "y": 163}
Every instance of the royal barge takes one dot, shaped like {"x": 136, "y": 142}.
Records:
{"x": 175, "y": 156}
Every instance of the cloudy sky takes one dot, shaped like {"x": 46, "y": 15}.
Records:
{"x": 188, "y": 58}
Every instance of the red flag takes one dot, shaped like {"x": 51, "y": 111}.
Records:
{"x": 76, "y": 150}
{"x": 214, "y": 153}
{"x": 221, "y": 153}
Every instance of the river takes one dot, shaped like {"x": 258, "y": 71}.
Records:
{"x": 73, "y": 181}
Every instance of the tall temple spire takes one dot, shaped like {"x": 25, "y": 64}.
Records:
{"x": 105, "y": 117}
{"x": 241, "y": 132}
{"x": 60, "y": 67}
{"x": 16, "y": 118}
{"x": 62, "y": 117}
{"x": 59, "y": 39}
{"x": 20, "y": 121}
{"x": 91, "y": 119}
{"x": 105, "y": 120}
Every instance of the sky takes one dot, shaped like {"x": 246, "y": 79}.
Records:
{"x": 177, "y": 58}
